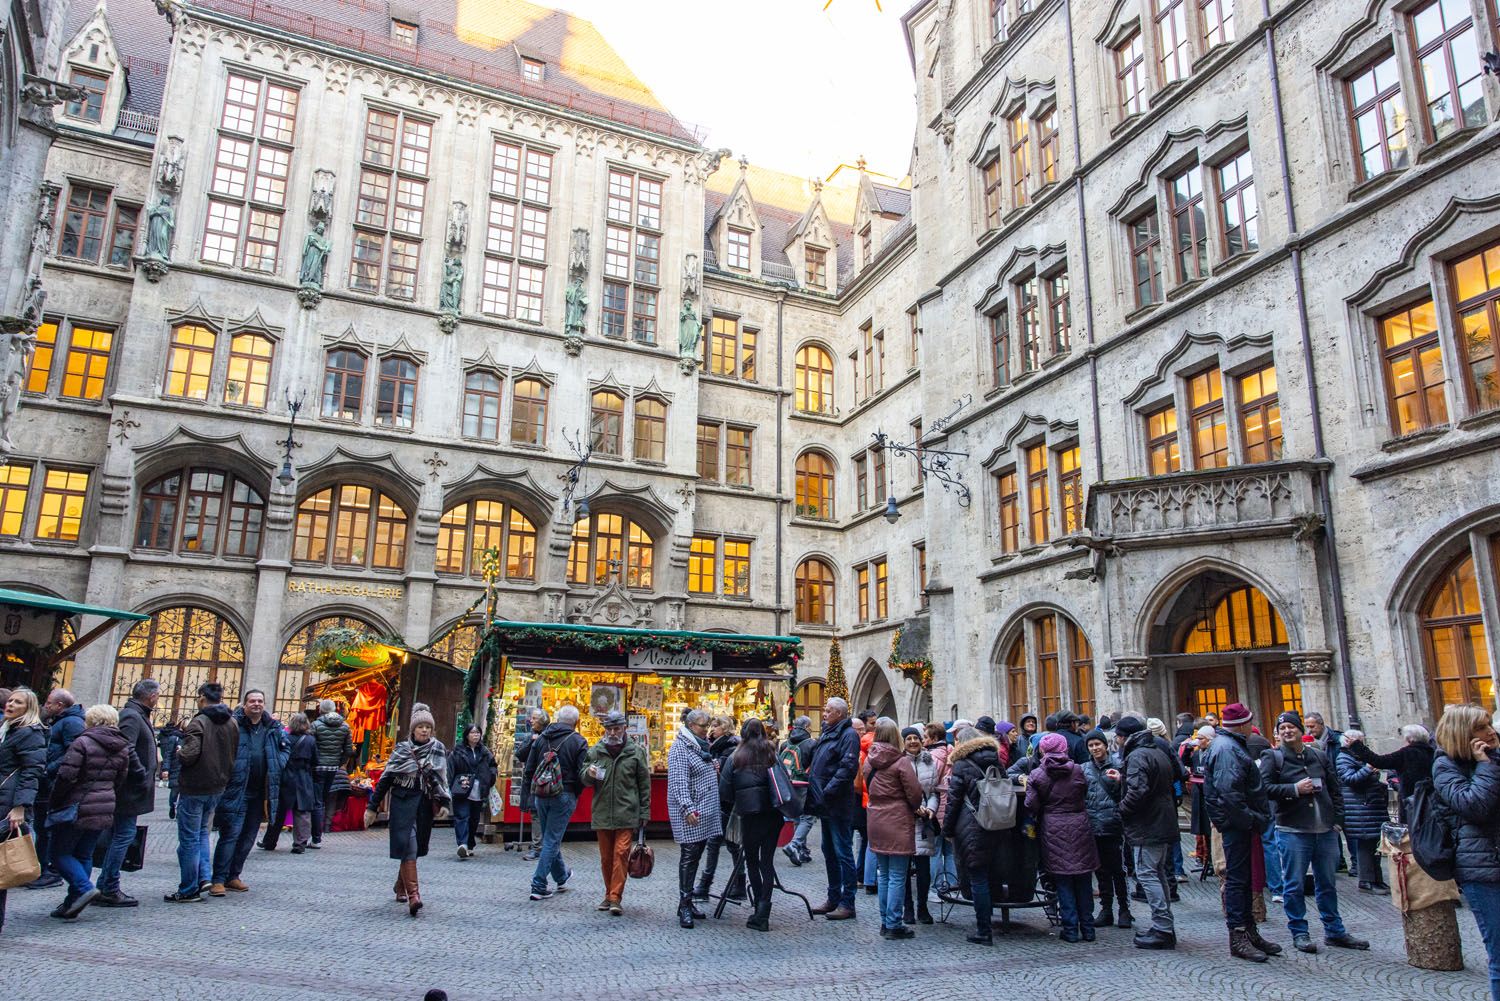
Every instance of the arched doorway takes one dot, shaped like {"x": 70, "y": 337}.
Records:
{"x": 1455, "y": 645}
{"x": 292, "y": 677}
{"x": 872, "y": 691}
{"x": 1222, "y": 640}
{"x": 181, "y": 648}
{"x": 458, "y": 647}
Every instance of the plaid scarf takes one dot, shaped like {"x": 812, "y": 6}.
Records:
{"x": 426, "y": 763}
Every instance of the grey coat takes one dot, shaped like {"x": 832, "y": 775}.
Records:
{"x": 692, "y": 784}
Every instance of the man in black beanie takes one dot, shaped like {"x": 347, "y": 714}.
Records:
{"x": 1148, "y": 810}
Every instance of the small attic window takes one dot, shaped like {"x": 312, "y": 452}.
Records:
{"x": 533, "y": 70}
{"x": 403, "y": 32}
{"x": 91, "y": 107}
{"x": 94, "y": 53}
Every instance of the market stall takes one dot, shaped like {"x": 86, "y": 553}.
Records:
{"x": 37, "y": 637}
{"x": 653, "y": 676}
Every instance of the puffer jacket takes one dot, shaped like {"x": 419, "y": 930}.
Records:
{"x": 335, "y": 741}
{"x": 1365, "y": 797}
{"x": 926, "y": 765}
{"x": 1471, "y": 792}
{"x": 96, "y": 770}
{"x": 1233, "y": 787}
{"x": 895, "y": 794}
{"x": 277, "y": 748}
{"x": 61, "y": 732}
{"x": 1102, "y": 801}
{"x": 830, "y": 774}
{"x": 967, "y": 764}
{"x": 23, "y": 760}
{"x": 939, "y": 754}
{"x": 1055, "y": 794}
{"x": 1148, "y": 808}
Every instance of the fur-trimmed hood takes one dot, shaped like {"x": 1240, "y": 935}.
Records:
{"x": 965, "y": 748}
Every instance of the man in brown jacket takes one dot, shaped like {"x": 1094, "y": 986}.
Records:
{"x": 209, "y": 745}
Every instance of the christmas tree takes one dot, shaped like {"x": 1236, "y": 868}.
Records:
{"x": 836, "y": 686}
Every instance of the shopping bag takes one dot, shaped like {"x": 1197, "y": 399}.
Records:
{"x": 18, "y": 863}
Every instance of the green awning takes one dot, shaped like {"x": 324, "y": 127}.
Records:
{"x": 47, "y": 603}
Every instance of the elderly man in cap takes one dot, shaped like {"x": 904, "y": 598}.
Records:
{"x": 620, "y": 774}
{"x": 1302, "y": 783}
{"x": 1237, "y": 805}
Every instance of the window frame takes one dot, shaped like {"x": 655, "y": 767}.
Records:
{"x": 79, "y": 76}
{"x": 1376, "y": 105}
{"x": 483, "y": 395}
{"x": 339, "y": 530}
{"x": 636, "y": 302}
{"x": 190, "y": 354}
{"x": 1193, "y": 211}
{"x": 87, "y": 213}
{"x": 806, "y": 478}
{"x": 1145, "y": 223}
{"x": 815, "y": 266}
{"x": 91, "y": 376}
{"x": 1444, "y": 42}
{"x": 1242, "y": 194}
{"x": 523, "y": 410}
{"x": 250, "y": 366}
{"x": 255, "y": 205}
{"x": 469, "y": 538}
{"x": 404, "y": 395}
{"x": 1019, "y": 159}
{"x": 1486, "y": 302}
{"x": 740, "y": 354}
{"x": 393, "y": 167}
{"x": 1131, "y": 74}
{"x": 227, "y": 509}
{"x": 818, "y": 593}
{"x": 805, "y": 369}
{"x": 340, "y": 378}
{"x": 1167, "y": 444}
{"x": 60, "y": 518}
{"x": 1260, "y": 407}
{"x": 1068, "y": 460}
{"x": 513, "y": 279}
{"x": 15, "y": 496}
{"x": 1008, "y": 508}
{"x": 709, "y": 436}
{"x": 655, "y": 427}
{"x": 1213, "y": 407}
{"x": 603, "y": 440}
{"x": 1412, "y": 348}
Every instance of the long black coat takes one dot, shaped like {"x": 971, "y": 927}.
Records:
{"x": 298, "y": 790}
{"x": 139, "y": 798}
{"x": 23, "y": 759}
{"x": 1148, "y": 808}
{"x": 1471, "y": 792}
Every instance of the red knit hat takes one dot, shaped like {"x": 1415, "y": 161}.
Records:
{"x": 1235, "y": 714}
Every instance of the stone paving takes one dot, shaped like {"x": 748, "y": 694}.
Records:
{"x": 324, "y": 926}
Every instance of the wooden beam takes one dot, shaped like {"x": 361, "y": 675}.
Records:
{"x": 82, "y": 642}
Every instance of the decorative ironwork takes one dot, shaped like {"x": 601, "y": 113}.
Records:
{"x": 934, "y": 462}
{"x": 942, "y": 422}
{"x": 294, "y": 407}
{"x": 582, "y": 446}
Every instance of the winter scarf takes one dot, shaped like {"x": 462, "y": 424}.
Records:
{"x": 426, "y": 763}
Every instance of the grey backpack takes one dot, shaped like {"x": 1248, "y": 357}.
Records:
{"x": 995, "y": 809}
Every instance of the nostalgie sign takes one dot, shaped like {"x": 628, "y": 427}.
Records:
{"x": 663, "y": 660}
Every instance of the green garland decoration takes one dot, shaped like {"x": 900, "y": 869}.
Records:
{"x": 508, "y": 639}
{"x": 324, "y": 651}
{"x": 919, "y": 670}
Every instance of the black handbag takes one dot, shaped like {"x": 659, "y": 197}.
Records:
{"x": 135, "y": 855}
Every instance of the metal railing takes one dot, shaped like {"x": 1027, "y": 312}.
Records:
{"x": 138, "y": 121}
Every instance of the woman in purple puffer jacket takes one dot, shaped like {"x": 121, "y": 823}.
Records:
{"x": 1056, "y": 794}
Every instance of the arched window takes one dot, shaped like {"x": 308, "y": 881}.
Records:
{"x": 528, "y": 412}
{"x": 200, "y": 511}
{"x": 396, "y": 396}
{"x": 815, "y": 486}
{"x": 1015, "y": 680}
{"x": 468, "y": 529}
{"x": 650, "y": 429}
{"x": 1049, "y": 649}
{"x": 808, "y": 701}
{"x": 1084, "y": 702}
{"x": 815, "y": 592}
{"x": 1454, "y": 641}
{"x": 248, "y": 381}
{"x": 190, "y": 362}
{"x": 814, "y": 385}
{"x": 1241, "y": 620}
{"x": 603, "y": 543}
{"x": 351, "y": 525}
{"x": 344, "y": 385}
{"x": 606, "y": 419}
{"x": 292, "y": 676}
{"x": 458, "y": 647}
{"x": 482, "y": 405}
{"x": 181, "y": 648}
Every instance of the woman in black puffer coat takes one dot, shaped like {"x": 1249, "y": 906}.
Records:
{"x": 1102, "y": 803}
{"x": 23, "y": 758}
{"x": 981, "y": 854}
{"x": 1466, "y": 779}
{"x": 1365, "y": 810}
{"x": 721, "y": 744}
{"x": 745, "y": 788}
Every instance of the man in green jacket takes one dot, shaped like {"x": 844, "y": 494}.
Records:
{"x": 619, "y": 772}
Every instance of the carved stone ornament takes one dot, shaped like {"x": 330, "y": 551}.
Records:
{"x": 41, "y": 95}
{"x": 691, "y": 276}
{"x": 46, "y": 212}
{"x": 1312, "y": 663}
{"x": 320, "y": 207}
{"x": 169, "y": 168}
{"x": 573, "y": 344}
{"x": 447, "y": 322}
{"x": 308, "y": 295}
{"x": 171, "y": 10}
{"x": 458, "y": 228}
{"x": 1126, "y": 671}
{"x": 616, "y": 606}
{"x": 578, "y": 253}
{"x": 946, "y": 127}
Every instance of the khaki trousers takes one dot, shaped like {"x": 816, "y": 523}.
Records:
{"x": 614, "y": 850}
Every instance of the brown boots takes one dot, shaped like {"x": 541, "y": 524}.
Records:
{"x": 1267, "y": 947}
{"x": 400, "y": 886}
{"x": 413, "y": 894}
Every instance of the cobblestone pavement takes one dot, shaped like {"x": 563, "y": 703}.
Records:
{"x": 324, "y": 926}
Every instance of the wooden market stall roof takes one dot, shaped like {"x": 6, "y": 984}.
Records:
{"x": 68, "y": 609}
{"x": 509, "y": 637}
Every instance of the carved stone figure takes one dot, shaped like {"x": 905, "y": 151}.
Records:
{"x": 169, "y": 170}
{"x": 161, "y": 222}
{"x": 578, "y": 253}
{"x": 314, "y": 257}
{"x": 689, "y": 329}
{"x": 33, "y": 304}
{"x": 578, "y": 304}
{"x": 321, "y": 206}
{"x": 46, "y": 212}
{"x": 690, "y": 276}
{"x": 18, "y": 348}
{"x": 453, "y": 285}
{"x": 458, "y": 228}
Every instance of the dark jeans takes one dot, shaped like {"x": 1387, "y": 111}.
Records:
{"x": 838, "y": 859}
{"x": 1111, "y": 871}
{"x": 274, "y": 816}
{"x": 73, "y": 853}
{"x": 1236, "y": 887}
{"x": 1075, "y": 902}
{"x": 919, "y": 873}
{"x": 760, "y": 831}
{"x": 120, "y": 840}
{"x": 255, "y": 812}
{"x": 1369, "y": 864}
{"x": 193, "y": 821}
{"x": 465, "y": 819}
{"x": 1321, "y": 852}
{"x": 324, "y": 809}
{"x": 1484, "y": 903}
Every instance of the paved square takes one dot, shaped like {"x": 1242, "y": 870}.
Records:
{"x": 324, "y": 926}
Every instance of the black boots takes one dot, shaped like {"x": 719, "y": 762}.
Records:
{"x": 761, "y": 919}
{"x": 685, "y": 911}
{"x": 1240, "y": 946}
{"x": 1269, "y": 948}
{"x": 1127, "y": 920}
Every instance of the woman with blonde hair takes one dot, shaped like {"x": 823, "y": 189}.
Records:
{"x": 23, "y": 758}
{"x": 1466, "y": 779}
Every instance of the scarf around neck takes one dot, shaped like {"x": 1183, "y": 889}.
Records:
{"x": 427, "y": 763}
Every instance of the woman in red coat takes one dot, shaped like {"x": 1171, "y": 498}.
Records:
{"x": 1056, "y": 794}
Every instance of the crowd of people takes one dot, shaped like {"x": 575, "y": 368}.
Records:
{"x": 982, "y": 814}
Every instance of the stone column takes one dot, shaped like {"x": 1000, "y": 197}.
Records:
{"x": 1314, "y": 670}
{"x": 263, "y": 645}
{"x": 1126, "y": 676}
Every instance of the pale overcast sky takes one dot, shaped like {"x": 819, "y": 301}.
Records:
{"x": 792, "y": 86}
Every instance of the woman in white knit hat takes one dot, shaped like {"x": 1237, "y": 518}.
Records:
{"x": 416, "y": 777}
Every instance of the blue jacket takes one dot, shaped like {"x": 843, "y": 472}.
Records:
{"x": 60, "y": 735}
{"x": 1471, "y": 792}
{"x": 278, "y": 748}
{"x": 830, "y": 775}
{"x": 1365, "y": 797}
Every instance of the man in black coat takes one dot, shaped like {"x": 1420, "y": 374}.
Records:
{"x": 1148, "y": 809}
{"x": 135, "y": 800}
{"x": 63, "y": 718}
{"x": 1238, "y": 807}
{"x": 830, "y": 792}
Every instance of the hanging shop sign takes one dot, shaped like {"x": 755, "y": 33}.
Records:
{"x": 651, "y": 659}
{"x": 342, "y": 589}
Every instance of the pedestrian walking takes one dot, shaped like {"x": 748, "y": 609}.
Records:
{"x": 552, "y": 782}
{"x": 745, "y": 794}
{"x": 722, "y": 740}
{"x": 138, "y": 798}
{"x": 335, "y": 744}
{"x": 692, "y": 806}
{"x": 795, "y": 754}
{"x": 63, "y": 720}
{"x": 167, "y": 742}
{"x": 471, "y": 775}
{"x": 919, "y": 873}
{"x": 1056, "y": 794}
{"x": 832, "y": 797}
{"x": 619, "y": 772}
{"x": 1235, "y": 798}
{"x": 1148, "y": 820}
{"x": 1102, "y": 772}
{"x": 895, "y": 796}
{"x": 1466, "y": 780}
{"x": 416, "y": 779}
{"x": 537, "y": 720}
{"x": 1365, "y": 811}
{"x": 23, "y": 762}
{"x": 100, "y": 764}
{"x": 259, "y": 758}
{"x": 210, "y": 747}
{"x": 299, "y": 786}
{"x": 1304, "y": 789}
{"x": 974, "y": 847}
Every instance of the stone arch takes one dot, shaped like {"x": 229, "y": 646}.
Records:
{"x": 149, "y": 467}
{"x": 1169, "y": 589}
{"x": 872, "y": 690}
{"x": 292, "y": 676}
{"x": 184, "y": 643}
{"x": 1057, "y": 663}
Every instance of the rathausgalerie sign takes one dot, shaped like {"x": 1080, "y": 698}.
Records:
{"x": 662, "y": 660}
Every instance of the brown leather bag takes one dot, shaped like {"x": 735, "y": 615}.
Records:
{"x": 642, "y": 859}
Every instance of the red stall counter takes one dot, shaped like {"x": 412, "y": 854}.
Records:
{"x": 584, "y": 810}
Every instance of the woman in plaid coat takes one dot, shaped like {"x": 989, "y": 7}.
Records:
{"x": 692, "y": 805}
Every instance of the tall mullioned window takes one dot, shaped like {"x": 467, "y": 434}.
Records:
{"x": 515, "y": 242}
{"x": 391, "y": 204}
{"x": 247, "y": 187}
{"x": 632, "y": 256}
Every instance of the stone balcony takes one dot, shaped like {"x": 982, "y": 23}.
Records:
{"x": 1253, "y": 501}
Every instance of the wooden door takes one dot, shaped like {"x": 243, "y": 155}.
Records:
{"x": 1279, "y": 691}
{"x": 1203, "y": 690}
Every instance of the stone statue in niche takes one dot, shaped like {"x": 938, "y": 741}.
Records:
{"x": 169, "y": 170}
{"x": 689, "y": 331}
{"x": 33, "y": 305}
{"x": 578, "y": 304}
{"x": 18, "y": 348}
{"x": 161, "y": 221}
{"x": 453, "y": 285}
{"x": 690, "y": 276}
{"x": 314, "y": 257}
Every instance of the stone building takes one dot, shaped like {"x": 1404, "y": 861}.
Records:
{"x": 1187, "y": 305}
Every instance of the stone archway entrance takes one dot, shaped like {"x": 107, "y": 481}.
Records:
{"x": 872, "y": 691}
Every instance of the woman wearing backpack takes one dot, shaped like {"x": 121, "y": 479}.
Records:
{"x": 972, "y": 757}
{"x": 1466, "y": 780}
{"x": 416, "y": 777}
{"x": 1056, "y": 793}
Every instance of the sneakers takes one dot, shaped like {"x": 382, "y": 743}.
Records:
{"x": 205, "y": 886}
{"x": 562, "y": 884}
{"x": 792, "y": 856}
{"x": 603, "y": 904}
{"x": 183, "y": 898}
{"x": 543, "y": 894}
{"x": 45, "y": 881}
{"x": 1277, "y": 898}
{"x": 615, "y": 910}
{"x": 72, "y": 910}
{"x": 237, "y": 885}
{"x": 463, "y": 851}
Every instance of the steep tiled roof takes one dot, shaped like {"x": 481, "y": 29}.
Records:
{"x": 781, "y": 199}
{"x": 890, "y": 200}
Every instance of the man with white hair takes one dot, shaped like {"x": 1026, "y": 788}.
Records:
{"x": 830, "y": 795}
{"x": 536, "y": 721}
{"x": 335, "y": 750}
{"x": 552, "y": 781}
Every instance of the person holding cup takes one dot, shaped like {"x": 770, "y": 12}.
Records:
{"x": 619, "y": 772}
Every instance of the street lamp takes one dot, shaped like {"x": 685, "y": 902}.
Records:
{"x": 891, "y": 514}
{"x": 287, "y": 474}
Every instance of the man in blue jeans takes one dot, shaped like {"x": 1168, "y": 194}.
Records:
{"x": 551, "y": 813}
{"x": 209, "y": 745}
{"x": 830, "y": 793}
{"x": 1302, "y": 784}
{"x": 132, "y": 802}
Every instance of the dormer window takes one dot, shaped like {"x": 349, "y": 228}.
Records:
{"x": 403, "y": 33}
{"x": 90, "y": 107}
{"x": 739, "y": 249}
{"x": 533, "y": 70}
